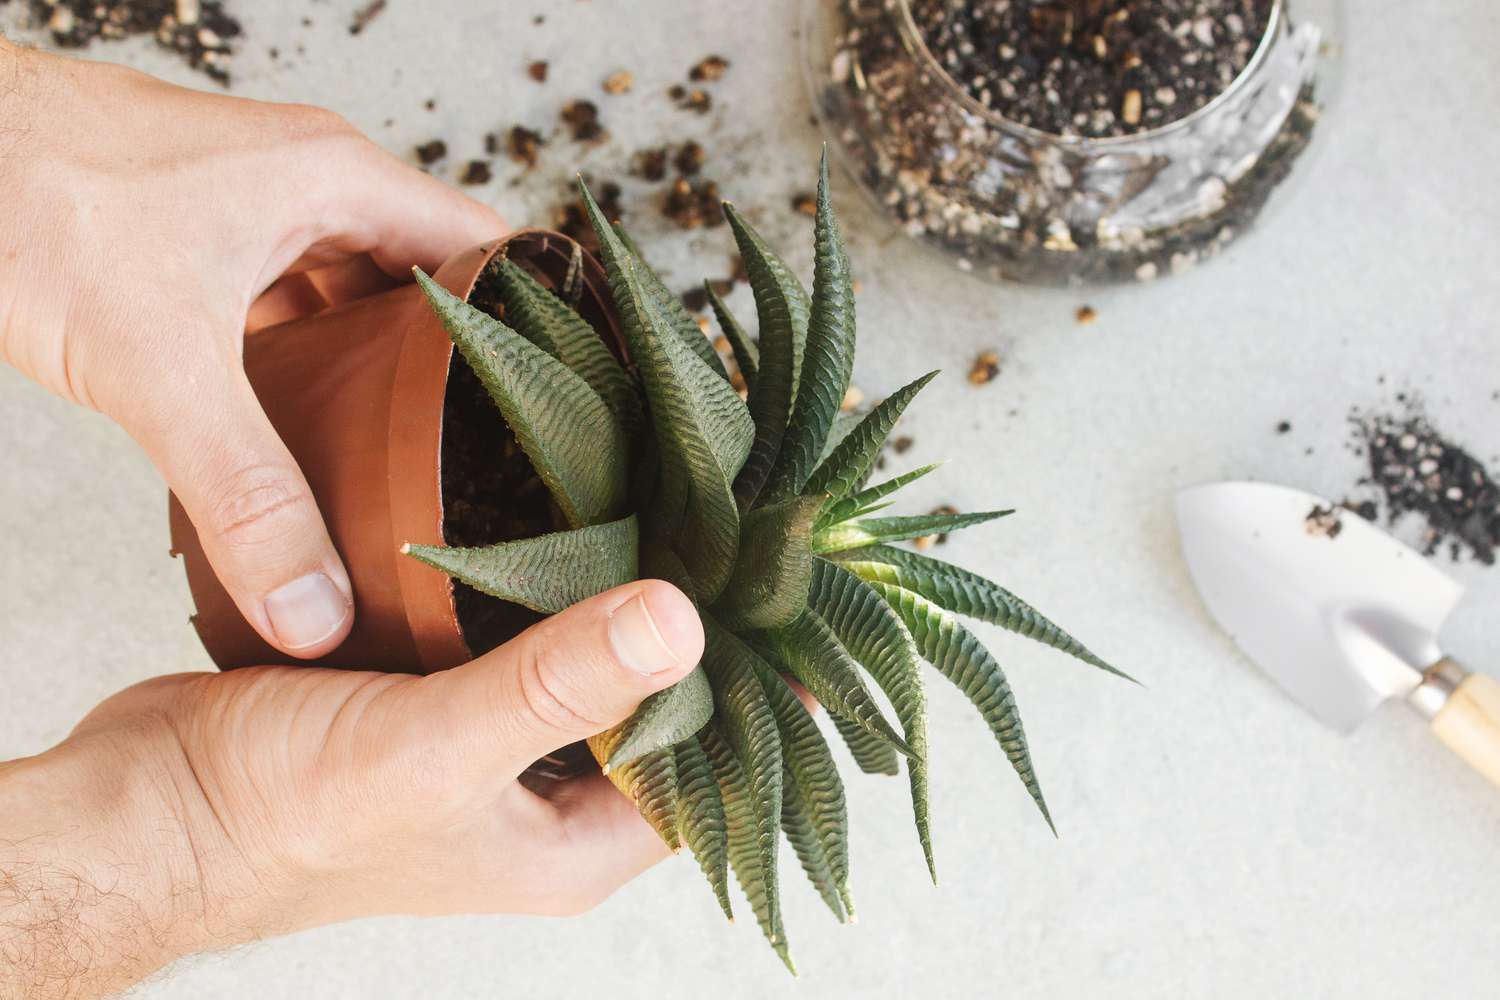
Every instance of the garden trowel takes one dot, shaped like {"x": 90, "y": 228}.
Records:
{"x": 1339, "y": 613}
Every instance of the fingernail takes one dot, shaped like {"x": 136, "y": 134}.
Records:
{"x": 641, "y": 642}
{"x": 306, "y": 611}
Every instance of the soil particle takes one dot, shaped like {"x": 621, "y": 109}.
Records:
{"x": 689, "y": 158}
{"x": 1097, "y": 68}
{"x": 1086, "y": 314}
{"x": 522, "y": 144}
{"x": 431, "y": 151}
{"x": 570, "y": 218}
{"x": 1419, "y": 472}
{"x": 619, "y": 83}
{"x": 902, "y": 444}
{"x": 986, "y": 366}
{"x": 649, "y": 164}
{"x": 695, "y": 299}
{"x": 693, "y": 204}
{"x": 805, "y": 203}
{"x": 1323, "y": 521}
{"x": 696, "y": 99}
{"x": 708, "y": 69}
{"x": 582, "y": 120}
{"x": 200, "y": 31}
{"x": 364, "y": 15}
{"x": 476, "y": 172}
{"x": 538, "y": 71}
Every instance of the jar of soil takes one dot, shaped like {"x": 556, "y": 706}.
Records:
{"x": 1072, "y": 141}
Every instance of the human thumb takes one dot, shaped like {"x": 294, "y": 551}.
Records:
{"x": 576, "y": 674}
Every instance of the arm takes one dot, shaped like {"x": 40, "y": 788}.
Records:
{"x": 198, "y": 811}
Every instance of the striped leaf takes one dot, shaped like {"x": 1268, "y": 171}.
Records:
{"x": 547, "y": 573}
{"x": 828, "y": 358}
{"x": 743, "y": 717}
{"x": 664, "y": 719}
{"x": 960, "y": 657}
{"x": 872, "y": 754}
{"x": 813, "y": 813}
{"x": 782, "y": 310}
{"x": 967, "y": 593}
{"x": 816, "y": 658}
{"x": 875, "y": 530}
{"x": 650, "y": 782}
{"x": 843, "y": 426}
{"x": 744, "y": 823}
{"x": 572, "y": 439}
{"x": 769, "y": 585}
{"x": 546, "y": 321}
{"x": 703, "y": 429}
{"x": 746, "y": 353}
{"x": 867, "y": 500}
{"x": 845, "y": 468}
{"x": 700, "y": 818}
{"x": 873, "y": 634}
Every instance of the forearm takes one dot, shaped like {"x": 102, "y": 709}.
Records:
{"x": 100, "y": 883}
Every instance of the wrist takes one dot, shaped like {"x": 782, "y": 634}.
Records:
{"x": 108, "y": 863}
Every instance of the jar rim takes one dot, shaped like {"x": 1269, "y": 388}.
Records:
{"x": 918, "y": 46}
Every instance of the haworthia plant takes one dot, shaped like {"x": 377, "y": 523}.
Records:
{"x": 760, "y": 511}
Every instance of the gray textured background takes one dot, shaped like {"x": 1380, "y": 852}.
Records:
{"x": 1215, "y": 841}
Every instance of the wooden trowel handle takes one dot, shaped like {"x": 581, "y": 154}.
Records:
{"x": 1469, "y": 720}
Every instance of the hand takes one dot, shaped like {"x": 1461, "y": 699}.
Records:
{"x": 144, "y": 228}
{"x": 201, "y": 810}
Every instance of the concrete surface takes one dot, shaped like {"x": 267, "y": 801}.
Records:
{"x": 1214, "y": 840}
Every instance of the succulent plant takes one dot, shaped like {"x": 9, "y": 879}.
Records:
{"x": 759, "y": 509}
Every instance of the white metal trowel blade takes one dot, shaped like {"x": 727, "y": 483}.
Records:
{"x": 1341, "y": 622}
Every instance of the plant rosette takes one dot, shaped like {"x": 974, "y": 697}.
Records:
{"x": 759, "y": 508}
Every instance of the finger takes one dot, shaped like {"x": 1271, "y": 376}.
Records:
{"x": 252, "y": 508}
{"x": 576, "y": 674}
{"x": 397, "y": 214}
{"x": 606, "y": 840}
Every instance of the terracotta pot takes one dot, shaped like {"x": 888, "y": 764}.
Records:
{"x": 357, "y": 394}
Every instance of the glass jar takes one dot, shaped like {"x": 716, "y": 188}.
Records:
{"x": 1006, "y": 201}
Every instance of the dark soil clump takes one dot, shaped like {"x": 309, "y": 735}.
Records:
{"x": 1096, "y": 68}
{"x": 1419, "y": 472}
{"x": 202, "y": 32}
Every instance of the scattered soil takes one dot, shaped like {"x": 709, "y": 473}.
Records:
{"x": 902, "y": 444}
{"x": 1096, "y": 68}
{"x": 431, "y": 151}
{"x": 366, "y": 14}
{"x": 522, "y": 145}
{"x": 805, "y": 203}
{"x": 696, "y": 298}
{"x": 708, "y": 69}
{"x": 538, "y": 71}
{"x": 1086, "y": 314}
{"x": 649, "y": 164}
{"x": 985, "y": 368}
{"x": 689, "y": 159}
{"x": 200, "y": 31}
{"x": 476, "y": 172}
{"x": 1418, "y": 472}
{"x": 695, "y": 99}
{"x": 1284, "y": 427}
{"x": 582, "y": 121}
{"x": 1324, "y": 521}
{"x": 570, "y": 218}
{"x": 693, "y": 204}
{"x": 619, "y": 83}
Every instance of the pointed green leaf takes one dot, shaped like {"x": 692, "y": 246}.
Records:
{"x": 650, "y": 782}
{"x": 547, "y": 573}
{"x": 675, "y": 313}
{"x": 866, "y": 501}
{"x": 664, "y": 719}
{"x": 700, "y": 818}
{"x": 743, "y": 717}
{"x": 872, "y": 754}
{"x": 847, "y": 465}
{"x": 746, "y": 354}
{"x": 874, "y": 530}
{"x": 817, "y": 659}
{"x": 814, "y": 795}
{"x": 874, "y": 635}
{"x": 828, "y": 358}
{"x": 769, "y": 585}
{"x": 659, "y": 562}
{"x": 745, "y": 856}
{"x": 961, "y": 658}
{"x": 843, "y": 424}
{"x": 574, "y": 442}
{"x": 782, "y": 309}
{"x": 542, "y": 318}
{"x": 703, "y": 429}
{"x": 967, "y": 593}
